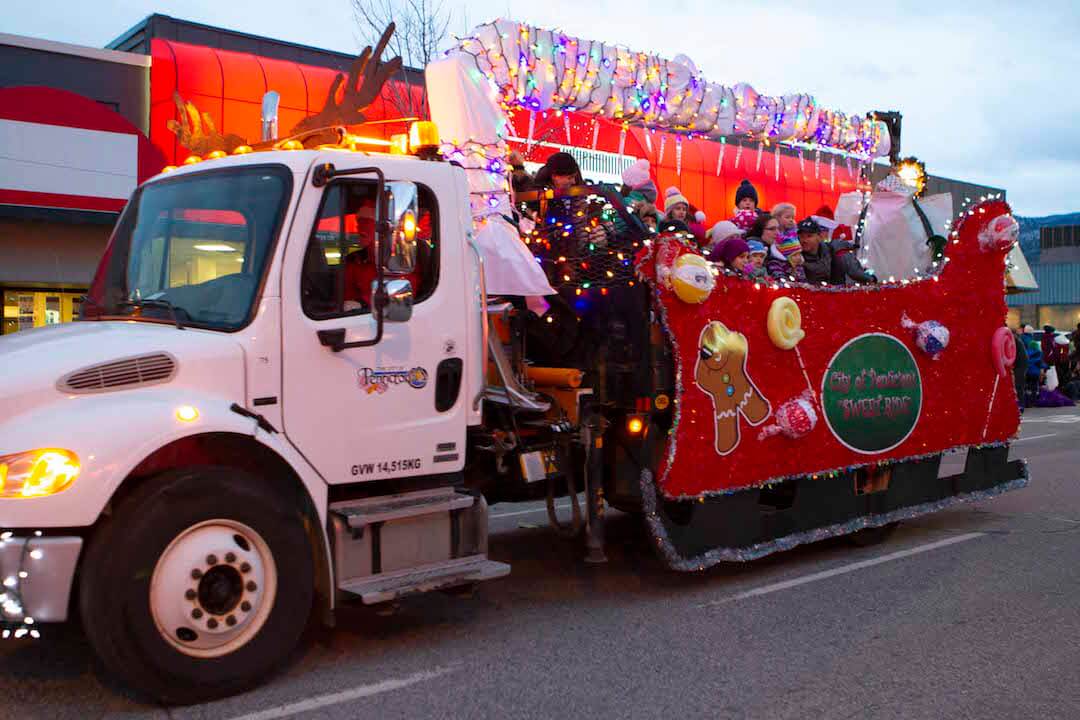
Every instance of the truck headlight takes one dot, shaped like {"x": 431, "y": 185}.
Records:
{"x": 37, "y": 473}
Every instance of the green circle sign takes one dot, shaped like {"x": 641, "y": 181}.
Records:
{"x": 871, "y": 394}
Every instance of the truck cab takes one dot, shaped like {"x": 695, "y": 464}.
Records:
{"x": 266, "y": 407}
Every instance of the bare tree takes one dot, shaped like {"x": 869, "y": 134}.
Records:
{"x": 422, "y": 28}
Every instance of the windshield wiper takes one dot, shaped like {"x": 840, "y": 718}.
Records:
{"x": 156, "y": 302}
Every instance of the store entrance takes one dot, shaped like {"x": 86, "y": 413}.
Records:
{"x": 36, "y": 307}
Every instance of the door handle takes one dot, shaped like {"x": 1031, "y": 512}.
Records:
{"x": 333, "y": 339}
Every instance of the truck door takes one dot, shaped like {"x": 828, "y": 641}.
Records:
{"x": 392, "y": 409}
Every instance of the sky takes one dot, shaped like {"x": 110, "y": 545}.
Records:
{"x": 988, "y": 89}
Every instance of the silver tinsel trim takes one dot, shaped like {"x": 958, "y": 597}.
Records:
{"x": 675, "y": 561}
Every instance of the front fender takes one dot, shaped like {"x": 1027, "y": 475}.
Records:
{"x": 111, "y": 433}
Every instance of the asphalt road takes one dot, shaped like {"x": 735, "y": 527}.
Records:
{"x": 969, "y": 613}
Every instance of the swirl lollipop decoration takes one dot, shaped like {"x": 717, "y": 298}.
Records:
{"x": 1003, "y": 354}
{"x": 784, "y": 323}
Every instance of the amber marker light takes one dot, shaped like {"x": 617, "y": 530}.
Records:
{"x": 186, "y": 413}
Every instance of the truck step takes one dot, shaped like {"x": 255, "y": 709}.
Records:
{"x": 359, "y": 513}
{"x": 425, "y": 578}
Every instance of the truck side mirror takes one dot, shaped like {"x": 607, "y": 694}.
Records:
{"x": 399, "y": 255}
{"x": 397, "y": 307}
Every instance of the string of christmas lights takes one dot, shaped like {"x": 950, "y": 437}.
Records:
{"x": 540, "y": 69}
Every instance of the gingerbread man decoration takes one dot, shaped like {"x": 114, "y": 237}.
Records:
{"x": 721, "y": 372}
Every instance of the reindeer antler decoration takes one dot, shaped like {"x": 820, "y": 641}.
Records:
{"x": 367, "y": 75}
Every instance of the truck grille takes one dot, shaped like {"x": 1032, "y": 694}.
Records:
{"x": 126, "y": 373}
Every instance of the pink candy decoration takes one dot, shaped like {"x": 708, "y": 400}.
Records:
{"x": 1003, "y": 351}
{"x": 1000, "y": 233}
{"x": 794, "y": 419}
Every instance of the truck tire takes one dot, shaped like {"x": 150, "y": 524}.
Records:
{"x": 198, "y": 585}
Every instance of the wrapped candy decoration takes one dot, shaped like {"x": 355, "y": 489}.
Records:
{"x": 794, "y": 419}
{"x": 692, "y": 278}
{"x": 1001, "y": 233}
{"x": 931, "y": 336}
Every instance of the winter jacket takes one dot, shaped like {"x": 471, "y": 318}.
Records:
{"x": 1020, "y": 366}
{"x": 779, "y": 267}
{"x": 644, "y": 194}
{"x": 1035, "y": 360}
{"x": 835, "y": 263}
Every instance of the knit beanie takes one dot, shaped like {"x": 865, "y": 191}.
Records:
{"x": 722, "y": 230}
{"x": 756, "y": 247}
{"x": 788, "y": 246}
{"x": 745, "y": 219}
{"x": 732, "y": 248}
{"x": 562, "y": 163}
{"x": 673, "y": 197}
{"x": 636, "y": 176}
{"x": 746, "y": 190}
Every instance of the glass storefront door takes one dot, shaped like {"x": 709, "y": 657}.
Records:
{"x": 25, "y": 309}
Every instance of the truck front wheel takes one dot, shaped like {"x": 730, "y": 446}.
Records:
{"x": 198, "y": 585}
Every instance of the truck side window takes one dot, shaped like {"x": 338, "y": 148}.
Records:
{"x": 339, "y": 264}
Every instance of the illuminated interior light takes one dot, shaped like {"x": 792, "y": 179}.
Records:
{"x": 634, "y": 426}
{"x": 187, "y": 413}
{"x": 215, "y": 247}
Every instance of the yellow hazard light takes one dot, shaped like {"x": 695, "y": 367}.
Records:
{"x": 186, "y": 413}
{"x": 291, "y": 145}
{"x": 423, "y": 135}
{"x": 408, "y": 226}
{"x": 168, "y": 168}
{"x": 241, "y": 150}
{"x": 37, "y": 473}
{"x": 192, "y": 159}
{"x": 399, "y": 144}
{"x": 216, "y": 155}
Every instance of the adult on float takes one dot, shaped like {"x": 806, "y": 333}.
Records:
{"x": 520, "y": 179}
{"x": 832, "y": 263}
{"x": 560, "y": 173}
{"x": 766, "y": 230}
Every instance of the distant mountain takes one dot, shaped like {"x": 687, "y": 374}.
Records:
{"x": 1029, "y": 231}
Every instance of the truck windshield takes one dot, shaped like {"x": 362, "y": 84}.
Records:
{"x": 193, "y": 250}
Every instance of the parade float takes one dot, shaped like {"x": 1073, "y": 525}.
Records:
{"x": 793, "y": 412}
{"x": 310, "y": 362}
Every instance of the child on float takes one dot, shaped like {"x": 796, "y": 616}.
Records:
{"x": 746, "y": 197}
{"x": 785, "y": 215}
{"x": 719, "y": 233}
{"x": 734, "y": 255}
{"x": 649, "y": 216}
{"x": 758, "y": 252}
{"x": 676, "y": 212}
{"x": 638, "y": 187}
{"x": 785, "y": 261}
